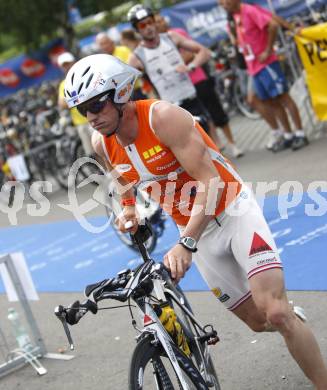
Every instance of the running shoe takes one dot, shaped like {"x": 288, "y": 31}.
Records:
{"x": 299, "y": 142}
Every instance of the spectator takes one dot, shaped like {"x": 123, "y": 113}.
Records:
{"x": 256, "y": 31}
{"x": 130, "y": 39}
{"x": 108, "y": 46}
{"x": 65, "y": 62}
{"x": 204, "y": 88}
{"x": 158, "y": 57}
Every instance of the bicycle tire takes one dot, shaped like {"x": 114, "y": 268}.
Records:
{"x": 63, "y": 166}
{"x": 145, "y": 353}
{"x": 241, "y": 103}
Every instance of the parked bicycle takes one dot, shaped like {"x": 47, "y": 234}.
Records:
{"x": 231, "y": 82}
{"x": 172, "y": 350}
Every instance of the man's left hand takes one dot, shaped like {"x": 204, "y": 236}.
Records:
{"x": 178, "y": 260}
{"x": 182, "y": 68}
{"x": 263, "y": 56}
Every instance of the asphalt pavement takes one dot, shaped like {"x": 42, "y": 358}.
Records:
{"x": 244, "y": 360}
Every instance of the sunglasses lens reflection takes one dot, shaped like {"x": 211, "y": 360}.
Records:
{"x": 94, "y": 107}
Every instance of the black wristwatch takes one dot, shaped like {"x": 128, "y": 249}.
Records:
{"x": 188, "y": 243}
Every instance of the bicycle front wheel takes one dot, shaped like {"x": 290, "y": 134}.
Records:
{"x": 151, "y": 369}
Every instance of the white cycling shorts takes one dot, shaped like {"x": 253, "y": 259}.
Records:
{"x": 233, "y": 248}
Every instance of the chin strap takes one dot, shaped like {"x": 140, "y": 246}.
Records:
{"x": 119, "y": 108}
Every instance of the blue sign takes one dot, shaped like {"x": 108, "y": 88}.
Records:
{"x": 28, "y": 71}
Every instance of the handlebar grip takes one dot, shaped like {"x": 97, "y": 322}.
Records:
{"x": 129, "y": 224}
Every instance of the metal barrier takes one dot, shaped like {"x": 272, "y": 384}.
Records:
{"x": 18, "y": 357}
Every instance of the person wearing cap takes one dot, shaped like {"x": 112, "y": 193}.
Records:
{"x": 65, "y": 61}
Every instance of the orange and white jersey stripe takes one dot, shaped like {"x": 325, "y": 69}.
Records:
{"x": 152, "y": 165}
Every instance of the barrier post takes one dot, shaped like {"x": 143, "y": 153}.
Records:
{"x": 18, "y": 357}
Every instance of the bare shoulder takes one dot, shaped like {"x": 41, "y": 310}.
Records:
{"x": 175, "y": 37}
{"x": 171, "y": 124}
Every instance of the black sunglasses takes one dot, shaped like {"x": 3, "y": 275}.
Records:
{"x": 93, "y": 107}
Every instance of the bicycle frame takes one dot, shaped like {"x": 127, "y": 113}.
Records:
{"x": 153, "y": 326}
{"x": 149, "y": 285}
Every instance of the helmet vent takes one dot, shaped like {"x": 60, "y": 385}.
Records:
{"x": 80, "y": 88}
{"x": 67, "y": 92}
{"x": 89, "y": 80}
{"x": 72, "y": 79}
{"x": 85, "y": 71}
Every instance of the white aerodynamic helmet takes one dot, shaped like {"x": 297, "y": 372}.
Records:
{"x": 96, "y": 74}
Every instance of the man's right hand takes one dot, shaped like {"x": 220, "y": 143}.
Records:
{"x": 128, "y": 214}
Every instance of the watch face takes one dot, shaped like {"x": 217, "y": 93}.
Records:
{"x": 190, "y": 242}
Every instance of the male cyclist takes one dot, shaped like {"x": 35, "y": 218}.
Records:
{"x": 159, "y": 146}
{"x": 158, "y": 56}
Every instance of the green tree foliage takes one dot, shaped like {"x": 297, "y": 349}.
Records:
{"x": 31, "y": 23}
{"x": 26, "y": 25}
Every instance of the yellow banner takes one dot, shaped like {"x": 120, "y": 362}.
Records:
{"x": 312, "y": 46}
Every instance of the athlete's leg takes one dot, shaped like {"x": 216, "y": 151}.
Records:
{"x": 263, "y": 109}
{"x": 280, "y": 113}
{"x": 286, "y": 101}
{"x": 267, "y": 114}
{"x": 270, "y": 299}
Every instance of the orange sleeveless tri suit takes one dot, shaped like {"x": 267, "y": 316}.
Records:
{"x": 148, "y": 160}
{"x": 231, "y": 250}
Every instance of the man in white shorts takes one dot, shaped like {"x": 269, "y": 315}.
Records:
{"x": 159, "y": 146}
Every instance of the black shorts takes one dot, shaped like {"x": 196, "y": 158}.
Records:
{"x": 194, "y": 106}
{"x": 209, "y": 98}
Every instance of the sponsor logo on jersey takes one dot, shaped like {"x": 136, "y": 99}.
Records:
{"x": 152, "y": 152}
{"x": 258, "y": 245}
{"x": 224, "y": 298}
{"x": 121, "y": 168}
{"x": 217, "y": 292}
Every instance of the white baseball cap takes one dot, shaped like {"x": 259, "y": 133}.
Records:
{"x": 64, "y": 58}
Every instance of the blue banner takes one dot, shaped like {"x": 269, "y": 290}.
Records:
{"x": 28, "y": 71}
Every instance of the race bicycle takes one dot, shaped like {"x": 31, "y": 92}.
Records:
{"x": 172, "y": 351}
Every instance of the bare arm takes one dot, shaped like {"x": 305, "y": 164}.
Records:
{"x": 272, "y": 33}
{"x": 134, "y": 61}
{"x": 202, "y": 54}
{"x": 190, "y": 150}
{"x": 287, "y": 25}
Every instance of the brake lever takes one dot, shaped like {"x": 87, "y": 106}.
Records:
{"x": 60, "y": 312}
